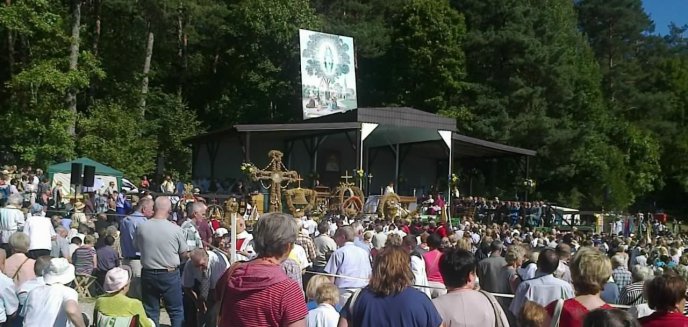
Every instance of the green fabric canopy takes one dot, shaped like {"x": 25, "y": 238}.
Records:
{"x": 102, "y": 170}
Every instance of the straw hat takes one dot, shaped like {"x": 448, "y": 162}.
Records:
{"x": 79, "y": 206}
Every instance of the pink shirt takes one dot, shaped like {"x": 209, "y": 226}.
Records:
{"x": 432, "y": 266}
{"x": 13, "y": 263}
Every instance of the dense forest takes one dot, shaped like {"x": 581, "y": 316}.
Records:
{"x": 586, "y": 83}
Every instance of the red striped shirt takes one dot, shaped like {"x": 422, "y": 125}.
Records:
{"x": 276, "y": 305}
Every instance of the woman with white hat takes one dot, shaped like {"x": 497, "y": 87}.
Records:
{"x": 116, "y": 303}
{"x": 55, "y": 303}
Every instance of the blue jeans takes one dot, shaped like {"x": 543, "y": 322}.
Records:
{"x": 168, "y": 285}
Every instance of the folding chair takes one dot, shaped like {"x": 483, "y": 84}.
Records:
{"x": 84, "y": 284}
{"x": 108, "y": 321}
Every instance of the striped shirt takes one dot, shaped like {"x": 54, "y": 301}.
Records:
{"x": 632, "y": 294}
{"x": 82, "y": 258}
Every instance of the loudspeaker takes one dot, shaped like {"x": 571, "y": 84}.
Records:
{"x": 89, "y": 176}
{"x": 76, "y": 174}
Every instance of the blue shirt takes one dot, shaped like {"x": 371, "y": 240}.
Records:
{"x": 410, "y": 308}
{"x": 66, "y": 223}
{"x": 128, "y": 232}
{"x": 350, "y": 260}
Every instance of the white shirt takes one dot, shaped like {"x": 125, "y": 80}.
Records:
{"x": 350, "y": 260}
{"x": 310, "y": 225}
{"x": 217, "y": 265}
{"x": 420, "y": 276}
{"x": 333, "y": 229}
{"x": 325, "y": 315}
{"x": 542, "y": 290}
{"x": 45, "y": 306}
{"x": 300, "y": 253}
{"x": 40, "y": 231}
{"x": 8, "y": 299}
{"x": 28, "y": 286}
{"x": 11, "y": 220}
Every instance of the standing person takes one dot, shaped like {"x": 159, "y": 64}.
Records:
{"x": 162, "y": 245}
{"x": 198, "y": 211}
{"x": 622, "y": 277}
{"x": 389, "y": 299}
{"x": 544, "y": 288}
{"x": 432, "y": 267}
{"x": 130, "y": 253}
{"x": 420, "y": 276}
{"x": 490, "y": 268}
{"x": 258, "y": 292}
{"x": 666, "y": 295}
{"x": 195, "y": 211}
{"x": 244, "y": 243}
{"x": 55, "y": 303}
{"x": 590, "y": 271}
{"x": 325, "y": 315}
{"x": 199, "y": 280}
{"x": 632, "y": 294}
{"x": 350, "y": 261}
{"x": 463, "y": 305}
{"x": 11, "y": 220}
{"x": 57, "y": 194}
{"x": 324, "y": 247}
{"x": 41, "y": 232}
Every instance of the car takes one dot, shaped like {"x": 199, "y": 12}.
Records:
{"x": 128, "y": 187}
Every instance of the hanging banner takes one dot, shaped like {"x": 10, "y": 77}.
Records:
{"x": 328, "y": 74}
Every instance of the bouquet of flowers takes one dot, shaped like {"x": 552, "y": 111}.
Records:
{"x": 360, "y": 173}
{"x": 529, "y": 184}
{"x": 454, "y": 180}
{"x": 248, "y": 168}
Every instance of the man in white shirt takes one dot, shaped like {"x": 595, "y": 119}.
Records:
{"x": 39, "y": 268}
{"x": 54, "y": 304}
{"x": 11, "y": 220}
{"x": 8, "y": 299}
{"x": 199, "y": 280}
{"x": 349, "y": 260}
{"x": 544, "y": 288}
{"x": 41, "y": 232}
{"x": 310, "y": 225}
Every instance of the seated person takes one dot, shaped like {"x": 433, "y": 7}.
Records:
{"x": 116, "y": 303}
{"x": 84, "y": 257}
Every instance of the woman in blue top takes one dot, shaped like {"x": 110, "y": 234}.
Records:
{"x": 389, "y": 299}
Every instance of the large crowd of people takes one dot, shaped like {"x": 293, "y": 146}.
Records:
{"x": 334, "y": 272}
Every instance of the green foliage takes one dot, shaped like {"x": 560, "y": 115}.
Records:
{"x": 602, "y": 100}
{"x": 111, "y": 134}
{"x": 426, "y": 46}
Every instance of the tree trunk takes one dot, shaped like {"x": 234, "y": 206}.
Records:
{"x": 10, "y": 45}
{"x": 74, "y": 61}
{"x": 180, "y": 47}
{"x": 97, "y": 6}
{"x": 146, "y": 70}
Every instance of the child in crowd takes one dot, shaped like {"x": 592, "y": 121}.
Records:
{"x": 325, "y": 315}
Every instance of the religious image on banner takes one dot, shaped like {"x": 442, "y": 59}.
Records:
{"x": 328, "y": 76}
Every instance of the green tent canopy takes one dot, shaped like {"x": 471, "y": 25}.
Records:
{"x": 101, "y": 170}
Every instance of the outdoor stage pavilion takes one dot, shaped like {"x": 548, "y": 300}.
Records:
{"x": 388, "y": 143}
